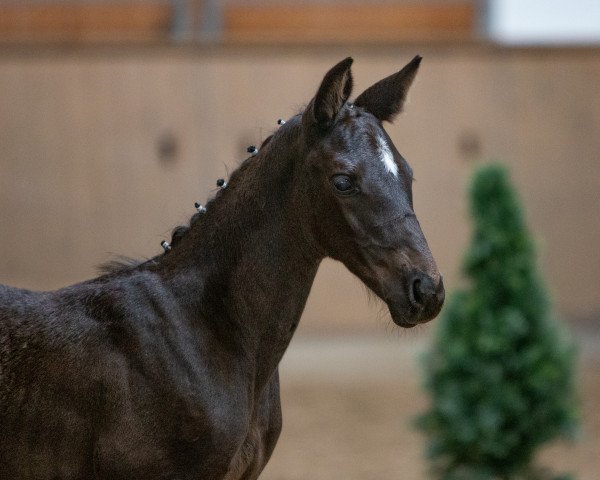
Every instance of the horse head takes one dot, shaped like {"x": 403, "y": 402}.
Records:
{"x": 359, "y": 189}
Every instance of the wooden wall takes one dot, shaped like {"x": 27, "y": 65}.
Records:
{"x": 106, "y": 149}
{"x": 117, "y": 21}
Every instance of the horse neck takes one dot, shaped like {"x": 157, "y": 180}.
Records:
{"x": 246, "y": 268}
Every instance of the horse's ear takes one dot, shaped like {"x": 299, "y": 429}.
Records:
{"x": 386, "y": 98}
{"x": 331, "y": 96}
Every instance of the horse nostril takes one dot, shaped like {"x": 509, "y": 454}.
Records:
{"x": 424, "y": 292}
{"x": 426, "y": 296}
{"x": 417, "y": 293}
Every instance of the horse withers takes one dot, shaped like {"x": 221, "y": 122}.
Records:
{"x": 168, "y": 369}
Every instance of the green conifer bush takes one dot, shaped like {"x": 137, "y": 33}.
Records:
{"x": 500, "y": 372}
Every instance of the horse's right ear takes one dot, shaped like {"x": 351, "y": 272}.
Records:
{"x": 331, "y": 96}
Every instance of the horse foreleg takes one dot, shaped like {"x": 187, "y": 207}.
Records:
{"x": 262, "y": 436}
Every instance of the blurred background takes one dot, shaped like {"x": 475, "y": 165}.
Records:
{"x": 116, "y": 116}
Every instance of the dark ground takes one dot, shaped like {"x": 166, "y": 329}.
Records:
{"x": 348, "y": 404}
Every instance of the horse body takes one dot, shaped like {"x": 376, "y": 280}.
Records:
{"x": 168, "y": 369}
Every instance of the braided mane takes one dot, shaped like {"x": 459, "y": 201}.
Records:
{"x": 124, "y": 263}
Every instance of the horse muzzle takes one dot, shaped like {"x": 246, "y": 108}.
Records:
{"x": 421, "y": 302}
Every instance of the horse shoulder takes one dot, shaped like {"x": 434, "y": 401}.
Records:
{"x": 168, "y": 404}
{"x": 122, "y": 369}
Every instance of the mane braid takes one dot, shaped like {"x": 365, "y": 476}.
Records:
{"x": 123, "y": 263}
{"x": 181, "y": 231}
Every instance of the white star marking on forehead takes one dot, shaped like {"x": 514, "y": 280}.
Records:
{"x": 386, "y": 156}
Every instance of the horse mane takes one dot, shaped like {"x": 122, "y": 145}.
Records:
{"x": 120, "y": 263}
{"x": 124, "y": 263}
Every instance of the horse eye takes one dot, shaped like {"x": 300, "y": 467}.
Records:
{"x": 343, "y": 184}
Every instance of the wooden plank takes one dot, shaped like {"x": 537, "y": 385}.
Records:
{"x": 85, "y": 22}
{"x": 365, "y": 23}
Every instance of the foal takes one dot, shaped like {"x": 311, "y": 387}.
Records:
{"x": 168, "y": 369}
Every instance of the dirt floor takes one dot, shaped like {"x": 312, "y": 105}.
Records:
{"x": 348, "y": 405}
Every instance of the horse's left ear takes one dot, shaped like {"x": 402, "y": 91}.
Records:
{"x": 386, "y": 98}
{"x": 331, "y": 96}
